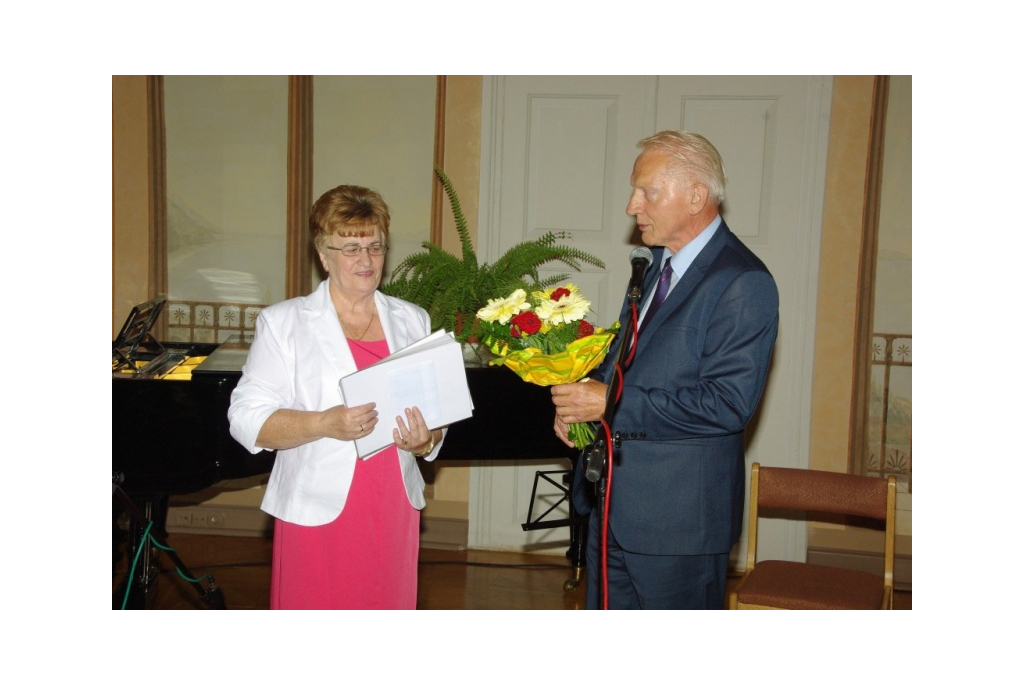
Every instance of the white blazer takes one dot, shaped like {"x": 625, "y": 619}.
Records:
{"x": 297, "y": 356}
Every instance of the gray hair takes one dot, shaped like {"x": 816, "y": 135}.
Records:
{"x": 693, "y": 156}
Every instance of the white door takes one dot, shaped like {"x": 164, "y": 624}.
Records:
{"x": 558, "y": 153}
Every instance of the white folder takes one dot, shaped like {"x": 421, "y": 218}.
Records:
{"x": 429, "y": 374}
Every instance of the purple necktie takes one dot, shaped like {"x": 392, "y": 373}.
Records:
{"x": 659, "y": 295}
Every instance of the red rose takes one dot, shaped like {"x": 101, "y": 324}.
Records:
{"x": 559, "y": 293}
{"x": 526, "y": 323}
{"x": 585, "y": 329}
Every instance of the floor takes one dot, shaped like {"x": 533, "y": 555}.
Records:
{"x": 469, "y": 579}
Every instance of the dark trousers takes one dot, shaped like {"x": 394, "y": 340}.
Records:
{"x": 649, "y": 581}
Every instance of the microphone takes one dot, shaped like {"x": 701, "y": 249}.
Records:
{"x": 640, "y": 258}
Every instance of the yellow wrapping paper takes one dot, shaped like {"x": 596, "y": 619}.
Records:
{"x": 579, "y": 358}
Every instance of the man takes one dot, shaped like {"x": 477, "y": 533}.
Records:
{"x": 677, "y": 488}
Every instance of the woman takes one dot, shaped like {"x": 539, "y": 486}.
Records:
{"x": 346, "y": 534}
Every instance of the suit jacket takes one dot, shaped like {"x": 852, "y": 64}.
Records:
{"x": 677, "y": 483}
{"x": 296, "y": 358}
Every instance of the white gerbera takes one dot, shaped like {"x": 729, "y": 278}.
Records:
{"x": 568, "y": 308}
{"x": 503, "y": 309}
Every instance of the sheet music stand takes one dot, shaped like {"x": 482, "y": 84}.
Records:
{"x": 135, "y": 343}
{"x": 577, "y": 524}
{"x": 135, "y": 331}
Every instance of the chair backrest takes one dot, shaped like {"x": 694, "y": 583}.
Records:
{"x": 824, "y": 492}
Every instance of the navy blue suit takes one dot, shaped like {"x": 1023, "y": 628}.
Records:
{"x": 697, "y": 377}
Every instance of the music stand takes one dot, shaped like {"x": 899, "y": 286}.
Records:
{"x": 136, "y": 330}
{"x": 135, "y": 344}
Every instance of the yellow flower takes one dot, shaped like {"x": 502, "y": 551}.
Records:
{"x": 503, "y": 309}
{"x": 568, "y": 308}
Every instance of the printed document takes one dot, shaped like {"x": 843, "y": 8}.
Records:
{"x": 429, "y": 374}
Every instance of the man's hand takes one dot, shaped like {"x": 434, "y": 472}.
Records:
{"x": 577, "y": 403}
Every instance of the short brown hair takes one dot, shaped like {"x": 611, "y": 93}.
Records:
{"x": 348, "y": 211}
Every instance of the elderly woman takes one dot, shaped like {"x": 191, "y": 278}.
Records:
{"x": 346, "y": 534}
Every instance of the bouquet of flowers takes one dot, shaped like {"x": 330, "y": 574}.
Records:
{"x": 545, "y": 338}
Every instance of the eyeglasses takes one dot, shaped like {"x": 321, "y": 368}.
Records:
{"x": 353, "y": 250}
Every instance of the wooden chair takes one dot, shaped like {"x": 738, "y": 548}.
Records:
{"x": 772, "y": 584}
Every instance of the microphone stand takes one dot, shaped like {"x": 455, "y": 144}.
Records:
{"x": 597, "y": 454}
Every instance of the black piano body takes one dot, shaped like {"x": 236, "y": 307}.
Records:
{"x": 512, "y": 419}
{"x": 170, "y": 429}
{"x": 171, "y": 436}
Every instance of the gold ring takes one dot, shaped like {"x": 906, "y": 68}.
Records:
{"x": 360, "y": 428}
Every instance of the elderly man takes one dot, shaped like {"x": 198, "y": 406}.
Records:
{"x": 702, "y": 356}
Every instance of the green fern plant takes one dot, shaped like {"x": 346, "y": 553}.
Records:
{"x": 452, "y": 289}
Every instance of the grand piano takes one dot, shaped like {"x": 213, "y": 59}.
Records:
{"x": 169, "y": 436}
{"x": 170, "y": 430}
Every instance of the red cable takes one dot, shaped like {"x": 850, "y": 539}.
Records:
{"x": 608, "y": 462}
{"x": 632, "y": 348}
{"x": 604, "y": 515}
{"x": 607, "y": 495}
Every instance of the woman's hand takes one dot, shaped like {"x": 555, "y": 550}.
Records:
{"x": 349, "y": 423}
{"x": 412, "y": 434}
{"x": 288, "y": 428}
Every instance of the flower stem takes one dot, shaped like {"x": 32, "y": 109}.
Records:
{"x": 581, "y": 434}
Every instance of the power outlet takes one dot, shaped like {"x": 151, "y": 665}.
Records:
{"x": 218, "y": 520}
{"x": 182, "y": 518}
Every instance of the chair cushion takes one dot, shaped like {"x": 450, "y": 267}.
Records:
{"x": 792, "y": 585}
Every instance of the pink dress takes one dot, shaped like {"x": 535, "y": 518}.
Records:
{"x": 367, "y": 557}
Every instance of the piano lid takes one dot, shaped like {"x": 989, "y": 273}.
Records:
{"x": 229, "y": 357}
